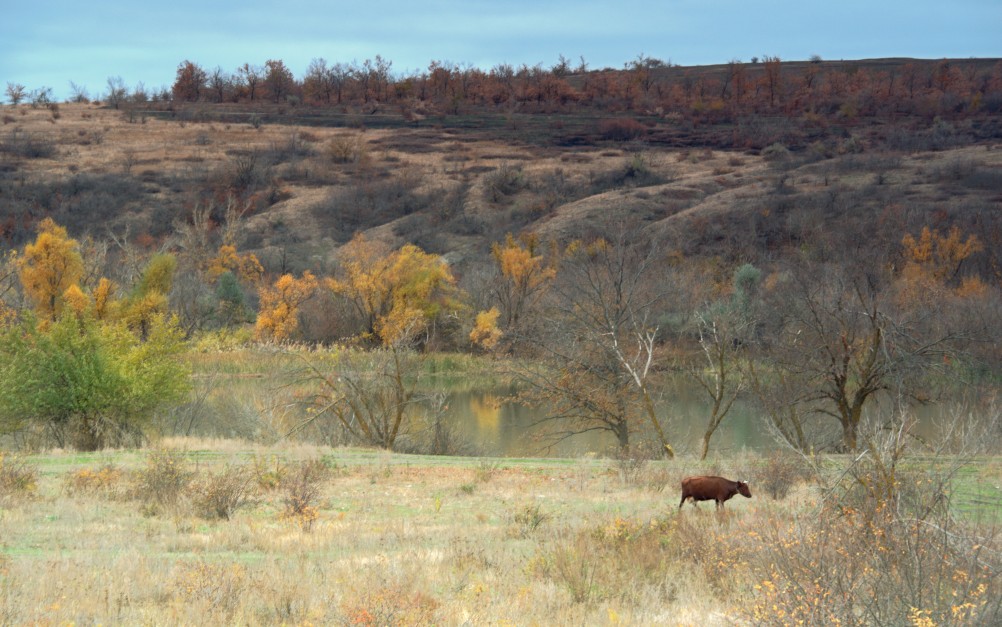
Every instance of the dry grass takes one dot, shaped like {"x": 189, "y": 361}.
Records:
{"x": 393, "y": 539}
{"x": 93, "y": 140}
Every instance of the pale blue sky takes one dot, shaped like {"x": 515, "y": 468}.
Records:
{"x": 51, "y": 42}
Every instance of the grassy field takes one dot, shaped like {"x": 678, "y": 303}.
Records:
{"x": 355, "y": 536}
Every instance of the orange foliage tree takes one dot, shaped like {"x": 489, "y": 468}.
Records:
{"x": 190, "y": 82}
{"x": 48, "y": 267}
{"x": 278, "y": 317}
{"x": 933, "y": 263}
{"x": 524, "y": 277}
{"x": 245, "y": 266}
{"x": 938, "y": 257}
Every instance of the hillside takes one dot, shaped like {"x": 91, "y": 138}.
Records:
{"x": 303, "y": 189}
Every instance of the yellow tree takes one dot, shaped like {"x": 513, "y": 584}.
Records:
{"x": 362, "y": 281}
{"x": 524, "y": 277}
{"x": 278, "y": 317}
{"x": 149, "y": 298}
{"x": 485, "y": 331}
{"x": 48, "y": 267}
{"x": 105, "y": 305}
{"x": 397, "y": 295}
{"x": 245, "y": 266}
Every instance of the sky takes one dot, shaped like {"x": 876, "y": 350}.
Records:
{"x": 48, "y": 43}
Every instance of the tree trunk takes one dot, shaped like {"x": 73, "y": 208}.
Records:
{"x": 622, "y": 432}
{"x": 666, "y": 448}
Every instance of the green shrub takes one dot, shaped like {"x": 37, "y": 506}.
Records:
{"x": 270, "y": 474}
{"x": 775, "y": 152}
{"x": 86, "y": 383}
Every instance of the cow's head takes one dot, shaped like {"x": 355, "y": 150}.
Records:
{"x": 743, "y": 489}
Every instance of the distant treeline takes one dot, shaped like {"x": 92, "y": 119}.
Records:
{"x": 820, "y": 89}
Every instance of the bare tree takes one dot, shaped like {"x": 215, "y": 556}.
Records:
{"x": 16, "y": 92}
{"x": 251, "y": 77}
{"x": 724, "y": 329}
{"x": 278, "y": 79}
{"x": 78, "y": 93}
{"x": 842, "y": 344}
{"x": 219, "y": 84}
{"x": 601, "y": 342}
{"x": 318, "y": 82}
{"x": 117, "y": 92}
{"x": 719, "y": 374}
{"x": 370, "y": 396}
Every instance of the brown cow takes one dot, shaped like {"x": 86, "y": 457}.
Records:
{"x": 712, "y": 489}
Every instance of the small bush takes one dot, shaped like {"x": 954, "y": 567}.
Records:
{"x": 391, "y": 605}
{"x": 633, "y": 465}
{"x": 782, "y": 471}
{"x": 163, "y": 482}
{"x": 220, "y": 495}
{"x": 637, "y": 170}
{"x": 504, "y": 181}
{"x": 214, "y": 587}
{"x": 487, "y": 469}
{"x": 270, "y": 474}
{"x": 27, "y": 146}
{"x": 868, "y": 566}
{"x": 88, "y": 481}
{"x": 302, "y": 488}
{"x": 346, "y": 149}
{"x": 621, "y": 129}
{"x": 624, "y": 559}
{"x": 17, "y": 476}
{"x": 775, "y": 152}
{"x": 573, "y": 565}
{"x": 527, "y": 520}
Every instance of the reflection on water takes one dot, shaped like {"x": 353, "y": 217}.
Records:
{"x": 500, "y": 427}
{"x": 485, "y": 408}
{"x": 497, "y": 426}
